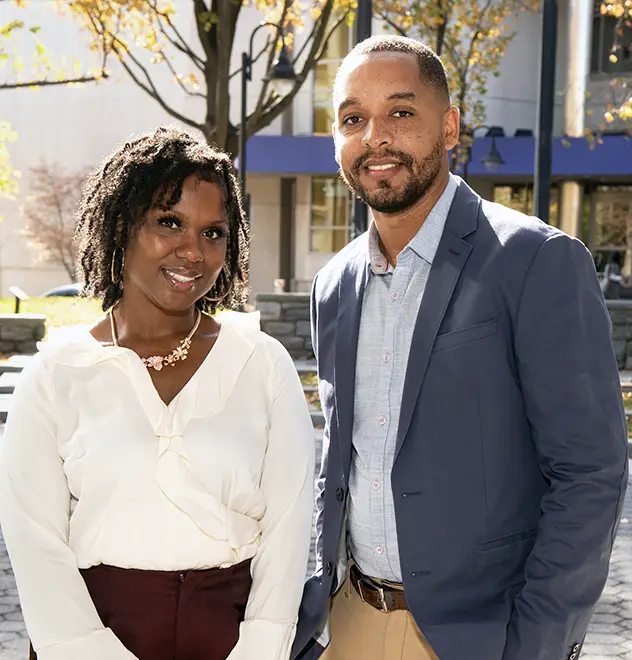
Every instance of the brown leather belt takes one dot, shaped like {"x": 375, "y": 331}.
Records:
{"x": 381, "y": 597}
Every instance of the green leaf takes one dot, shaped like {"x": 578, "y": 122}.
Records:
{"x": 6, "y": 30}
{"x": 35, "y": 29}
{"x": 208, "y": 17}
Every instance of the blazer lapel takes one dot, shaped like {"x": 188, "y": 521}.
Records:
{"x": 350, "y": 296}
{"x": 448, "y": 263}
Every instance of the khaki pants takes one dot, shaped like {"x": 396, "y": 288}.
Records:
{"x": 360, "y": 632}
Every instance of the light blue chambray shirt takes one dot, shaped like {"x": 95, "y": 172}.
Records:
{"x": 389, "y": 311}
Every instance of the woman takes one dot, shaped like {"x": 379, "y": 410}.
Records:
{"x": 183, "y": 443}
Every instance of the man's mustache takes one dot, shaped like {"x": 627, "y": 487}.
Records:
{"x": 405, "y": 159}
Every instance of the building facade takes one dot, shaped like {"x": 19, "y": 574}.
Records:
{"x": 301, "y": 211}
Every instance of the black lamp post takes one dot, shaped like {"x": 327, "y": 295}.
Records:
{"x": 543, "y": 168}
{"x": 282, "y": 78}
{"x": 492, "y": 161}
{"x": 363, "y": 25}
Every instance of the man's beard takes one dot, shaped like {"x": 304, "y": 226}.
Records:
{"x": 386, "y": 199}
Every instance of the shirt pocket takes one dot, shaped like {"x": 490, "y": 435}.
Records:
{"x": 465, "y": 335}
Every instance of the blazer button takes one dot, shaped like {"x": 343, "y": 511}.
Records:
{"x": 340, "y": 494}
{"x": 330, "y": 568}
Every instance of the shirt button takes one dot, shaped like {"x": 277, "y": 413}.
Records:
{"x": 387, "y": 356}
{"x": 395, "y": 295}
{"x": 379, "y": 550}
{"x": 375, "y": 485}
{"x": 382, "y": 420}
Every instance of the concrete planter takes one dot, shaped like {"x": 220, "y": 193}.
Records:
{"x": 19, "y": 333}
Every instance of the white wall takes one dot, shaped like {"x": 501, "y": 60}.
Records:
{"x": 77, "y": 127}
{"x": 265, "y": 202}
{"x": 74, "y": 127}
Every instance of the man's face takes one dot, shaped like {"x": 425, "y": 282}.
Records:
{"x": 392, "y": 132}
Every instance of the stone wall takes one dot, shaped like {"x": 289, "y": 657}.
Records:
{"x": 19, "y": 333}
{"x": 285, "y": 316}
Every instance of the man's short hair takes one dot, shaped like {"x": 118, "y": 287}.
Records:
{"x": 431, "y": 69}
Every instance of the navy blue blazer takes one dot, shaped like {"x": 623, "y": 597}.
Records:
{"x": 511, "y": 460}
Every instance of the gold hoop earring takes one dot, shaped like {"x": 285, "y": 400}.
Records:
{"x": 113, "y": 277}
{"x": 209, "y": 299}
{"x": 214, "y": 300}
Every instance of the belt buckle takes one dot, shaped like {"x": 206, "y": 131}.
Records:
{"x": 380, "y": 591}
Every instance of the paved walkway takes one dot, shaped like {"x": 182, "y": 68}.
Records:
{"x": 609, "y": 637}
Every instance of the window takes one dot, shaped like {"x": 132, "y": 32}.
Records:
{"x": 613, "y": 225}
{"x": 338, "y": 46}
{"x": 520, "y": 198}
{"x": 331, "y": 212}
{"x": 604, "y": 32}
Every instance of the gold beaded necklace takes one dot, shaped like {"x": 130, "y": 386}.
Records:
{"x": 157, "y": 362}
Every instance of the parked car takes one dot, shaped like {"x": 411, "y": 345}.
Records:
{"x": 65, "y": 290}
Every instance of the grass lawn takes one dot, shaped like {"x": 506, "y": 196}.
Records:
{"x": 627, "y": 401}
{"x": 59, "y": 312}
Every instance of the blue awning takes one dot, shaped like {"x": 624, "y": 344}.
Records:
{"x": 314, "y": 155}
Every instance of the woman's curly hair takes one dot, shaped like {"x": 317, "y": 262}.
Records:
{"x": 146, "y": 171}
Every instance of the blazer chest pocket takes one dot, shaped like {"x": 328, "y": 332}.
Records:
{"x": 465, "y": 335}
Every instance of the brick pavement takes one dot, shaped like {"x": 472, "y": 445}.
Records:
{"x": 609, "y": 637}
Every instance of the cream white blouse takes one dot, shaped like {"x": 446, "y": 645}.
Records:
{"x": 95, "y": 468}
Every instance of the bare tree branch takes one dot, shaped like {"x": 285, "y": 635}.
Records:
{"x": 51, "y": 83}
{"x": 391, "y": 23}
{"x": 200, "y": 7}
{"x": 181, "y": 84}
{"x": 189, "y": 53}
{"x": 45, "y": 82}
{"x": 179, "y": 43}
{"x": 308, "y": 40}
{"x": 426, "y": 26}
{"x": 319, "y": 43}
{"x": 311, "y": 35}
{"x": 475, "y": 37}
{"x": 149, "y": 87}
{"x": 254, "y": 59}
{"x": 332, "y": 29}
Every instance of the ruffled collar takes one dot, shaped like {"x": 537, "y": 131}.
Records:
{"x": 76, "y": 347}
{"x": 206, "y": 392}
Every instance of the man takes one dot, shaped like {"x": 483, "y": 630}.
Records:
{"x": 475, "y": 454}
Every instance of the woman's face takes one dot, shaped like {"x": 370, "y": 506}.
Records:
{"x": 174, "y": 257}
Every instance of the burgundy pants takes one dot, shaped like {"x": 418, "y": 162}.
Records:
{"x": 159, "y": 615}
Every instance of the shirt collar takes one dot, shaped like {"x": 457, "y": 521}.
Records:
{"x": 425, "y": 243}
